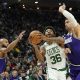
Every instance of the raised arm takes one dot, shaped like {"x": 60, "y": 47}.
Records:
{"x": 39, "y": 51}
{"x": 68, "y": 15}
{"x": 58, "y": 40}
{"x": 13, "y": 44}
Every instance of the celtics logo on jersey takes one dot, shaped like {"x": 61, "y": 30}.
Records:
{"x": 54, "y": 54}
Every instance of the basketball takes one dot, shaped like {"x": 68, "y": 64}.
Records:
{"x": 35, "y": 37}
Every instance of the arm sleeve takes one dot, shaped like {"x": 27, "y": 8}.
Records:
{"x": 70, "y": 17}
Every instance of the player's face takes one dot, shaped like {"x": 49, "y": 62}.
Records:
{"x": 68, "y": 25}
{"x": 5, "y": 42}
{"x": 49, "y": 33}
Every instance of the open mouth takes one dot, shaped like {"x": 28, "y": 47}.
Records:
{"x": 48, "y": 35}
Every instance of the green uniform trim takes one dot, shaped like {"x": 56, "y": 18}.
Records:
{"x": 63, "y": 69}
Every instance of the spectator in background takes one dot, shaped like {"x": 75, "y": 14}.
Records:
{"x": 40, "y": 74}
{"x": 23, "y": 75}
{"x": 37, "y": 74}
{"x": 14, "y": 75}
{"x": 5, "y": 76}
{"x": 2, "y": 75}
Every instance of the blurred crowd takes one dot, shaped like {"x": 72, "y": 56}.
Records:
{"x": 23, "y": 68}
{"x": 21, "y": 62}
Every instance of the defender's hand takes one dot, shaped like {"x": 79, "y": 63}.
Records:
{"x": 21, "y": 35}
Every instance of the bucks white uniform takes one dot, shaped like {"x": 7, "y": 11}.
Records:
{"x": 56, "y": 62}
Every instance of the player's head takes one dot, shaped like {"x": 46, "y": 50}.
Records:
{"x": 49, "y": 31}
{"x": 4, "y": 42}
{"x": 68, "y": 25}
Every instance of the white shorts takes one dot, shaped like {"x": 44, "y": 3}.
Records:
{"x": 69, "y": 78}
{"x": 53, "y": 74}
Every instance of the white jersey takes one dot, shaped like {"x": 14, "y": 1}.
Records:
{"x": 55, "y": 56}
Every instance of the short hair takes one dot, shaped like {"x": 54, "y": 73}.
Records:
{"x": 50, "y": 27}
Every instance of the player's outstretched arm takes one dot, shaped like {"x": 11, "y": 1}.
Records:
{"x": 39, "y": 53}
{"x": 13, "y": 44}
{"x": 68, "y": 15}
{"x": 58, "y": 40}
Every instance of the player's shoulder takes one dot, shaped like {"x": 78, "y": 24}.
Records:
{"x": 68, "y": 35}
{"x": 77, "y": 27}
{"x": 44, "y": 44}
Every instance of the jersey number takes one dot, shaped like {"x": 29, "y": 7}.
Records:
{"x": 56, "y": 58}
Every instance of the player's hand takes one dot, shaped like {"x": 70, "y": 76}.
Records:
{"x": 44, "y": 38}
{"x": 67, "y": 50}
{"x": 62, "y": 8}
{"x": 21, "y": 35}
